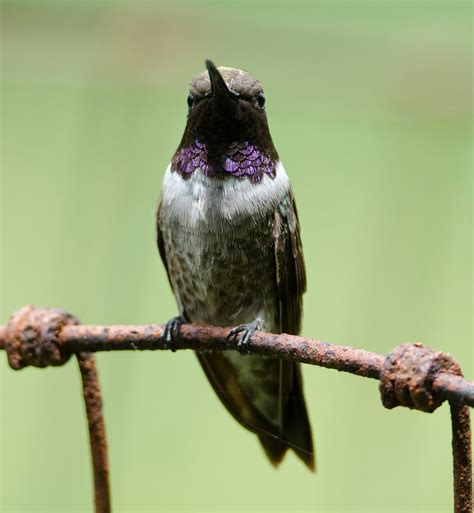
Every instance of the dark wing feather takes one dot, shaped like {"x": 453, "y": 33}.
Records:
{"x": 290, "y": 269}
{"x": 291, "y": 284}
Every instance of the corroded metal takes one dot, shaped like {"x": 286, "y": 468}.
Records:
{"x": 407, "y": 376}
{"x": 462, "y": 458}
{"x": 97, "y": 438}
{"x": 454, "y": 388}
{"x": 310, "y": 351}
{"x": 76, "y": 338}
{"x": 412, "y": 375}
{"x": 407, "y": 379}
{"x": 31, "y": 337}
{"x": 289, "y": 347}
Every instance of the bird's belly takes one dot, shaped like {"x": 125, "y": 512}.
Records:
{"x": 223, "y": 276}
{"x": 219, "y": 244}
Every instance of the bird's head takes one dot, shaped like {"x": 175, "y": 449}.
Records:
{"x": 226, "y": 107}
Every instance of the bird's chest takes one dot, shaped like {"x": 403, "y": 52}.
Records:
{"x": 220, "y": 253}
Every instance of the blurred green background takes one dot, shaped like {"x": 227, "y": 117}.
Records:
{"x": 369, "y": 105}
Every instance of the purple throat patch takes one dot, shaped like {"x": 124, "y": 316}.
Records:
{"x": 240, "y": 160}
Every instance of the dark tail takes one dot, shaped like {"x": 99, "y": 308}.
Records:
{"x": 296, "y": 430}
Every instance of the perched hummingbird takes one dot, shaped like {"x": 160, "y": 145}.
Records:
{"x": 229, "y": 237}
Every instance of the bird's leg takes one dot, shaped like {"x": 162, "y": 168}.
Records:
{"x": 243, "y": 333}
{"x": 171, "y": 331}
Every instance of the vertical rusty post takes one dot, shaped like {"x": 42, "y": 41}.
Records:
{"x": 95, "y": 419}
{"x": 462, "y": 458}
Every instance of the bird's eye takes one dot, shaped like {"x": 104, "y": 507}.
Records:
{"x": 190, "y": 100}
{"x": 261, "y": 99}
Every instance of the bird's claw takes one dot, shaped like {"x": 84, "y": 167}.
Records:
{"x": 247, "y": 331}
{"x": 171, "y": 331}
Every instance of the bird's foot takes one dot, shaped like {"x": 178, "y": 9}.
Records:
{"x": 171, "y": 331}
{"x": 243, "y": 333}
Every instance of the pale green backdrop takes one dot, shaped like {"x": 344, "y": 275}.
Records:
{"x": 370, "y": 105}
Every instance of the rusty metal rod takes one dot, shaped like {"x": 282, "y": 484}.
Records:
{"x": 454, "y": 388}
{"x": 314, "y": 352}
{"x": 79, "y": 338}
{"x": 97, "y": 438}
{"x": 201, "y": 337}
{"x": 462, "y": 460}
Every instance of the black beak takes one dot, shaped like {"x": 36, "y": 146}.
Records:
{"x": 218, "y": 86}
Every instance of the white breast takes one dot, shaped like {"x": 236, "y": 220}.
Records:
{"x": 197, "y": 199}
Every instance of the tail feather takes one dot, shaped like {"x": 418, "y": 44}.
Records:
{"x": 274, "y": 448}
{"x": 297, "y": 429}
{"x": 295, "y": 432}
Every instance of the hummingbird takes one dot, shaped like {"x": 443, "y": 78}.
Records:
{"x": 229, "y": 237}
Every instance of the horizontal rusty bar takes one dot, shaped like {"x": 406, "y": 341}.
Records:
{"x": 76, "y": 338}
{"x": 412, "y": 375}
{"x": 202, "y": 337}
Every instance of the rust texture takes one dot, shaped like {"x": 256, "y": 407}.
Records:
{"x": 408, "y": 374}
{"x": 407, "y": 379}
{"x": 412, "y": 375}
{"x": 454, "y": 388}
{"x": 112, "y": 338}
{"x": 462, "y": 458}
{"x": 31, "y": 337}
{"x": 97, "y": 439}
